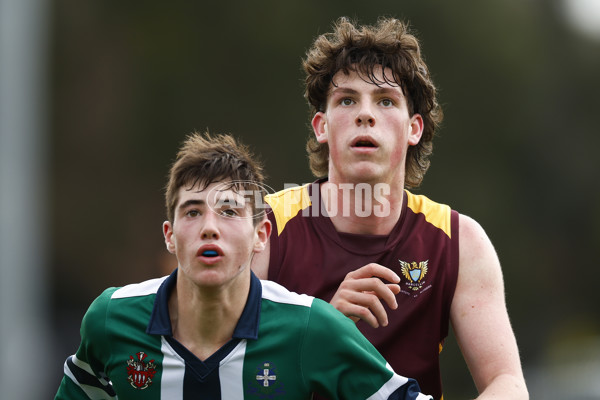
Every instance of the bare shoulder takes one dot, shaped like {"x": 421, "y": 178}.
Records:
{"x": 480, "y": 318}
{"x": 474, "y": 241}
{"x": 479, "y": 274}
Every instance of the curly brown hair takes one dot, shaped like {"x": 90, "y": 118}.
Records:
{"x": 388, "y": 44}
{"x": 204, "y": 159}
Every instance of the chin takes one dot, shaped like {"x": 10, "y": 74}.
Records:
{"x": 366, "y": 174}
{"x": 207, "y": 278}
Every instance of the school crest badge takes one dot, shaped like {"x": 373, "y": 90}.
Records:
{"x": 139, "y": 372}
{"x": 414, "y": 273}
{"x": 267, "y": 382}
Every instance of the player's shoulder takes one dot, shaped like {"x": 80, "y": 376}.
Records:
{"x": 473, "y": 238}
{"x": 137, "y": 296}
{"x": 470, "y": 223}
{"x": 420, "y": 203}
{"x": 435, "y": 213}
{"x": 145, "y": 288}
{"x": 287, "y": 203}
{"x": 276, "y": 293}
{"x": 321, "y": 316}
{"x": 134, "y": 290}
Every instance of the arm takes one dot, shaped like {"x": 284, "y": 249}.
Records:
{"x": 80, "y": 382}
{"x": 480, "y": 318}
{"x": 84, "y": 378}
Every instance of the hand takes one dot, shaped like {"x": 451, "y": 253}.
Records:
{"x": 361, "y": 293}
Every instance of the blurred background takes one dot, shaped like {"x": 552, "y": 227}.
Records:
{"x": 96, "y": 97}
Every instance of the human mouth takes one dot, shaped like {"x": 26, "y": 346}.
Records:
{"x": 209, "y": 254}
{"x": 364, "y": 143}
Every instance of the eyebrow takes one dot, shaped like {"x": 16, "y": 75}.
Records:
{"x": 393, "y": 89}
{"x": 228, "y": 201}
{"x": 191, "y": 202}
{"x": 379, "y": 90}
{"x": 231, "y": 201}
{"x": 343, "y": 90}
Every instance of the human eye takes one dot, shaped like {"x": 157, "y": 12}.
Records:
{"x": 192, "y": 213}
{"x": 346, "y": 101}
{"x": 229, "y": 212}
{"x": 386, "y": 102}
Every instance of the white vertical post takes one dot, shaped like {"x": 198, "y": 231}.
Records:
{"x": 24, "y": 347}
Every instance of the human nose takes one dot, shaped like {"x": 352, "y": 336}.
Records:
{"x": 210, "y": 229}
{"x": 365, "y": 115}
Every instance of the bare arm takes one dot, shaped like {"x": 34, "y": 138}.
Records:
{"x": 480, "y": 318}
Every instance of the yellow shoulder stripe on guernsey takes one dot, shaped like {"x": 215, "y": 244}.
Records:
{"x": 287, "y": 203}
{"x": 436, "y": 214}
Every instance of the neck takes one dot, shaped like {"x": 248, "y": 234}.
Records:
{"x": 203, "y": 320}
{"x": 362, "y": 208}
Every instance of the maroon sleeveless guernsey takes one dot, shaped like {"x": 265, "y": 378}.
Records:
{"x": 309, "y": 256}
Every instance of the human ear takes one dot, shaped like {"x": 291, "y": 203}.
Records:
{"x": 415, "y": 129}
{"x": 263, "y": 231}
{"x": 168, "y": 234}
{"x": 319, "y": 125}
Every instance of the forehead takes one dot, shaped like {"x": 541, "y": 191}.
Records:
{"x": 378, "y": 77}
{"x": 216, "y": 193}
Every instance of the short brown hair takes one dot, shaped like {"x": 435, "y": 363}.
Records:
{"x": 388, "y": 44}
{"x": 204, "y": 159}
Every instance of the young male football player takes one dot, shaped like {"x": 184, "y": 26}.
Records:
{"x": 404, "y": 265}
{"x": 212, "y": 329}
